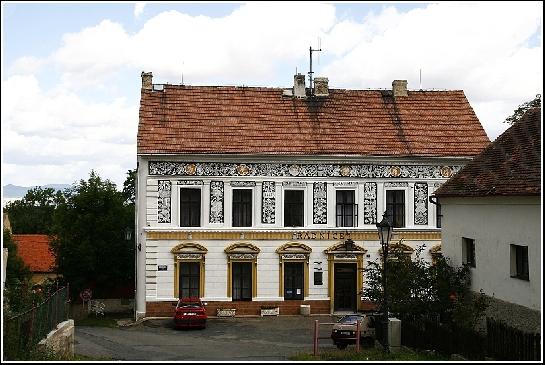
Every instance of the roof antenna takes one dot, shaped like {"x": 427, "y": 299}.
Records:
{"x": 310, "y": 72}
{"x": 183, "y": 73}
{"x": 420, "y": 79}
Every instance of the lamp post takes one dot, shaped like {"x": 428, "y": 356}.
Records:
{"x": 385, "y": 232}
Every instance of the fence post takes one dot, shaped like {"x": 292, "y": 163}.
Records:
{"x": 316, "y": 335}
{"x": 358, "y": 330}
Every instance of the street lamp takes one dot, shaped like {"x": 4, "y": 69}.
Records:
{"x": 128, "y": 234}
{"x": 385, "y": 232}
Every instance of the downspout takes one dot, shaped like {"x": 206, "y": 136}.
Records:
{"x": 437, "y": 209}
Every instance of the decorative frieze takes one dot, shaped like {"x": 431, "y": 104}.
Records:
{"x": 320, "y": 203}
{"x": 171, "y": 168}
{"x": 190, "y": 182}
{"x": 242, "y": 184}
{"x": 421, "y": 203}
{"x": 216, "y": 202}
{"x": 243, "y": 256}
{"x": 268, "y": 202}
{"x": 344, "y": 256}
{"x": 295, "y": 256}
{"x": 396, "y": 184}
{"x": 190, "y": 256}
{"x": 369, "y": 203}
{"x": 163, "y": 201}
{"x": 341, "y": 184}
{"x": 294, "y": 184}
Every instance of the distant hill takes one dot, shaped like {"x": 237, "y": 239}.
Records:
{"x": 15, "y": 191}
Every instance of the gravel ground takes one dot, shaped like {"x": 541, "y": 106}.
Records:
{"x": 224, "y": 339}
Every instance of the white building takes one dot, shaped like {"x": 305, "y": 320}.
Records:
{"x": 492, "y": 222}
{"x": 246, "y": 195}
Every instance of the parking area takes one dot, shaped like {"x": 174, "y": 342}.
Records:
{"x": 224, "y": 339}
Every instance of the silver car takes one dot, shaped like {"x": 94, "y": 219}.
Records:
{"x": 343, "y": 332}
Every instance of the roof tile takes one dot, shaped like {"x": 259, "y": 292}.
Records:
{"x": 511, "y": 165}
{"x": 35, "y": 252}
{"x": 200, "y": 119}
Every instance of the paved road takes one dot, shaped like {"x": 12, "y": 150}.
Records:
{"x": 224, "y": 339}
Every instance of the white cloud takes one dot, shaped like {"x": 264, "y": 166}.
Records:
{"x": 27, "y": 65}
{"x": 479, "y": 48}
{"x": 476, "y": 47}
{"x": 61, "y": 132}
{"x": 139, "y": 8}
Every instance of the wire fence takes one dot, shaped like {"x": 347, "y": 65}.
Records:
{"x": 23, "y": 331}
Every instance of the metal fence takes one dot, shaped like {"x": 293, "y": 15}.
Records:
{"x": 429, "y": 334}
{"x": 24, "y": 331}
{"x": 501, "y": 342}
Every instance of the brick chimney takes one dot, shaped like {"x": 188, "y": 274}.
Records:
{"x": 299, "y": 89}
{"x": 320, "y": 86}
{"x": 147, "y": 78}
{"x": 399, "y": 88}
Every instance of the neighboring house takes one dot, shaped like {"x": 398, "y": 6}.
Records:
{"x": 248, "y": 196}
{"x": 35, "y": 253}
{"x": 492, "y": 222}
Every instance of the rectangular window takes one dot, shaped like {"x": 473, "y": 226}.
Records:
{"x": 242, "y": 280}
{"x": 293, "y": 280}
{"x": 395, "y": 207}
{"x": 190, "y": 207}
{"x": 519, "y": 262}
{"x": 242, "y": 208}
{"x": 293, "y": 208}
{"x": 468, "y": 252}
{"x": 190, "y": 275}
{"x": 318, "y": 278}
{"x": 346, "y": 209}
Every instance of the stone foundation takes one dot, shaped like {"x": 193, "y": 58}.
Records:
{"x": 61, "y": 339}
{"x": 291, "y": 307}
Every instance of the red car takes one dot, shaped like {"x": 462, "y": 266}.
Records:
{"x": 190, "y": 312}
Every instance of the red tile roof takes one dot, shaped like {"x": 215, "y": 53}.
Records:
{"x": 511, "y": 165}
{"x": 253, "y": 120}
{"x": 34, "y": 250}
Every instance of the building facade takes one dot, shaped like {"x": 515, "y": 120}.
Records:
{"x": 492, "y": 222}
{"x": 251, "y": 197}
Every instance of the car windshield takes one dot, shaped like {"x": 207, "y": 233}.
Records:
{"x": 350, "y": 319}
{"x": 189, "y": 305}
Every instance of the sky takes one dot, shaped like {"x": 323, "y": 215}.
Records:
{"x": 71, "y": 71}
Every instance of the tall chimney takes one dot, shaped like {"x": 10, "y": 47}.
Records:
{"x": 320, "y": 86}
{"x": 147, "y": 80}
{"x": 299, "y": 89}
{"x": 399, "y": 88}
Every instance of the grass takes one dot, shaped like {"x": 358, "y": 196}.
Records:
{"x": 368, "y": 354}
{"x": 107, "y": 320}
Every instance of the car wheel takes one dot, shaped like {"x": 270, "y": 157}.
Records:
{"x": 341, "y": 346}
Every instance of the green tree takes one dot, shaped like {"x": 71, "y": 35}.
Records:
{"x": 34, "y": 212}
{"x": 17, "y": 278}
{"x": 89, "y": 244}
{"x": 522, "y": 109}
{"x": 419, "y": 289}
{"x": 129, "y": 187}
